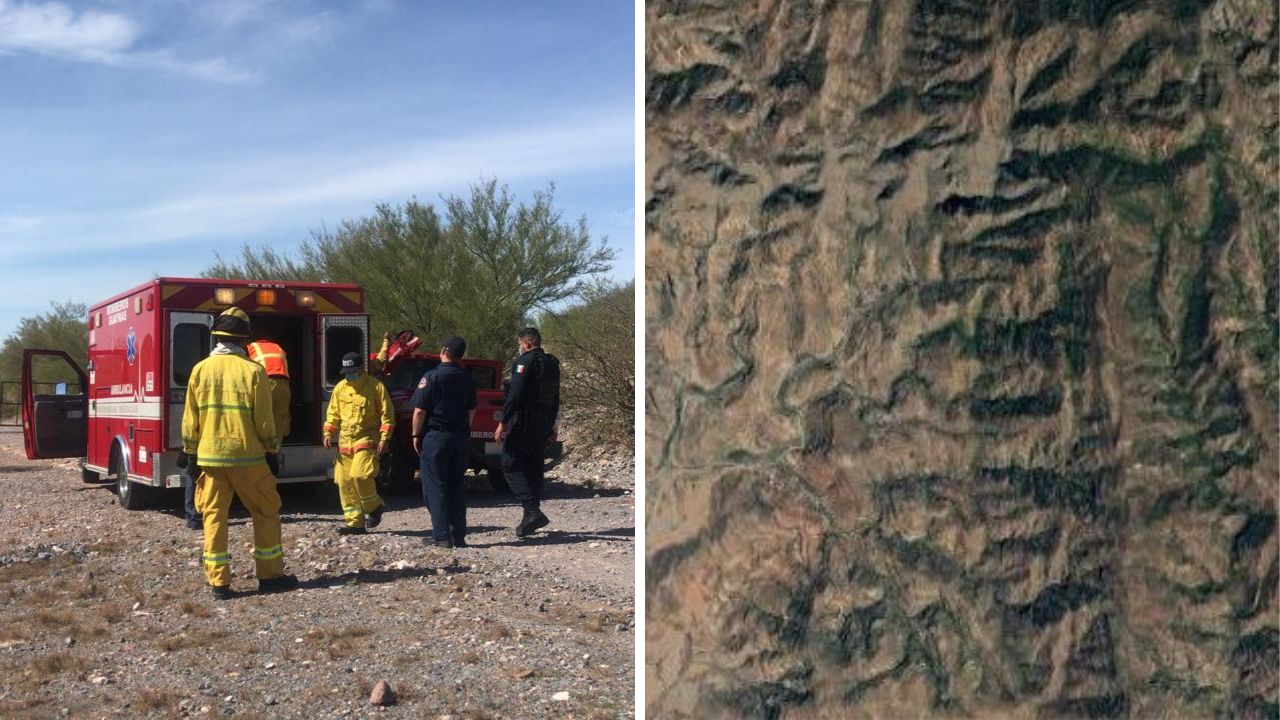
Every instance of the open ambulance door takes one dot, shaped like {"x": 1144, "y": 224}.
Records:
{"x": 190, "y": 341}
{"x": 55, "y": 420}
{"x": 339, "y": 335}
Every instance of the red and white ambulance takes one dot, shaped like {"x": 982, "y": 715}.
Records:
{"x": 126, "y": 419}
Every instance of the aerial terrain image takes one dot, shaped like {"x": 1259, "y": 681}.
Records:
{"x": 961, "y": 359}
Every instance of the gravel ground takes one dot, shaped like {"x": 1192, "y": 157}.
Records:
{"x": 105, "y": 612}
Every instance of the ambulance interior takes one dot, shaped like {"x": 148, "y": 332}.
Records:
{"x": 296, "y": 335}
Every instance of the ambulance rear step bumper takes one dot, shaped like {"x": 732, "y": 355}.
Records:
{"x": 298, "y": 464}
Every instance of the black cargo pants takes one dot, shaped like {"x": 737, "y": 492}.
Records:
{"x": 523, "y": 453}
{"x": 444, "y": 487}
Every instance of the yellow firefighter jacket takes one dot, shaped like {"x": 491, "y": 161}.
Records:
{"x": 228, "y": 419}
{"x": 280, "y": 396}
{"x": 360, "y": 414}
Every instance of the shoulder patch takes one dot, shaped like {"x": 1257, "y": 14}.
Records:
{"x": 519, "y": 369}
{"x": 423, "y": 382}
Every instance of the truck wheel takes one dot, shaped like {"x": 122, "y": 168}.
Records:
{"x": 497, "y": 480}
{"x": 132, "y": 496}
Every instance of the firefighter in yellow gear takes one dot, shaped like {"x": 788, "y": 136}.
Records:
{"x": 272, "y": 359}
{"x": 360, "y": 418}
{"x": 228, "y": 437}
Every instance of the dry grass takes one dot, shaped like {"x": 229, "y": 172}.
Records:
{"x": 46, "y": 667}
{"x": 91, "y": 631}
{"x": 412, "y": 658}
{"x": 89, "y": 591}
{"x": 521, "y": 672}
{"x": 339, "y": 642}
{"x": 496, "y": 632}
{"x": 154, "y": 699}
{"x": 53, "y": 618}
{"x": 35, "y": 568}
{"x": 12, "y": 631}
{"x": 477, "y": 713}
{"x": 110, "y": 613}
{"x": 195, "y": 609}
{"x": 105, "y": 547}
{"x": 16, "y": 708}
{"x": 470, "y": 657}
{"x": 340, "y": 648}
{"x": 196, "y": 639}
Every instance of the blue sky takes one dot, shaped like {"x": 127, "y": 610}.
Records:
{"x": 140, "y": 137}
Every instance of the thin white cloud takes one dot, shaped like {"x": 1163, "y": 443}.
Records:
{"x": 300, "y": 194}
{"x": 94, "y": 36}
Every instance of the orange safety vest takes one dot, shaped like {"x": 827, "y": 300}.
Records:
{"x": 270, "y": 356}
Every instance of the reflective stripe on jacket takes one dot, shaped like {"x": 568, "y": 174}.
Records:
{"x": 360, "y": 414}
{"x": 228, "y": 418}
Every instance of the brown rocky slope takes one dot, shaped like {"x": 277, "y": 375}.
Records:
{"x": 962, "y": 359}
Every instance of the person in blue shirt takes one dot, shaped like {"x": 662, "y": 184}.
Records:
{"x": 443, "y": 406}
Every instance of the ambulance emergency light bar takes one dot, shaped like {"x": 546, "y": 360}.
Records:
{"x": 265, "y": 296}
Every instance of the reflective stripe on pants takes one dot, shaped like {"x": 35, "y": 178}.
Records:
{"x": 256, "y": 488}
{"x": 354, "y": 475}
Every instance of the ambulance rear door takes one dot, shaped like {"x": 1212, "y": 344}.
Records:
{"x": 55, "y": 417}
{"x": 339, "y": 335}
{"x": 189, "y": 343}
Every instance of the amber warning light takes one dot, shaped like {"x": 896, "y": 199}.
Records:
{"x": 306, "y": 298}
{"x": 266, "y": 297}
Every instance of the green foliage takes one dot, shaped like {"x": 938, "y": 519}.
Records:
{"x": 477, "y": 271}
{"x": 595, "y": 341}
{"x": 62, "y": 328}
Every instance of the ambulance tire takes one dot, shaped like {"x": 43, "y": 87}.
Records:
{"x": 130, "y": 495}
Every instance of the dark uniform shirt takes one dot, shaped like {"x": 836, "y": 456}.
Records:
{"x": 446, "y": 394}
{"x": 521, "y": 404}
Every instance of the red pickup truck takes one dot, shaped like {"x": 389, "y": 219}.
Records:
{"x": 402, "y": 375}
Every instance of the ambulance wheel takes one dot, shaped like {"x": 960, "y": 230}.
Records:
{"x": 131, "y": 495}
{"x": 497, "y": 480}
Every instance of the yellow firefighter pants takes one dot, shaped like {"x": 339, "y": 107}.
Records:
{"x": 256, "y": 488}
{"x": 355, "y": 475}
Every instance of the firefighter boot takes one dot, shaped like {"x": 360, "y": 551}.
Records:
{"x": 374, "y": 519}
{"x": 283, "y": 583}
{"x": 532, "y": 521}
{"x": 348, "y": 530}
{"x": 223, "y": 592}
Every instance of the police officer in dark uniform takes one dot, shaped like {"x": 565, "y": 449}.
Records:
{"x": 442, "y": 408}
{"x": 530, "y": 410}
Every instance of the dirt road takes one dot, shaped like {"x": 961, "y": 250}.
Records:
{"x": 105, "y": 613}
